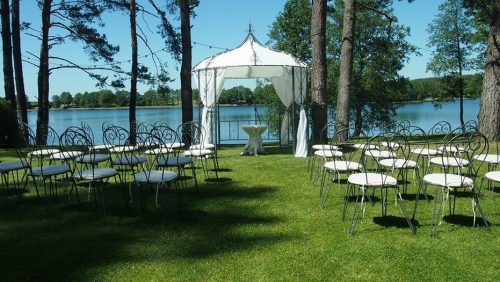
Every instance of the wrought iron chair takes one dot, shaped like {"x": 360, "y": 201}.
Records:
{"x": 15, "y": 172}
{"x": 363, "y": 182}
{"x": 172, "y": 140}
{"x": 343, "y": 164}
{"x": 197, "y": 149}
{"x": 97, "y": 177}
{"x": 457, "y": 173}
{"x": 48, "y": 175}
{"x": 150, "y": 173}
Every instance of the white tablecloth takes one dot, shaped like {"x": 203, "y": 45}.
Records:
{"x": 254, "y": 143}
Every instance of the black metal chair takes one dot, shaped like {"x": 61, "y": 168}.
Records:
{"x": 198, "y": 149}
{"x": 150, "y": 173}
{"x": 14, "y": 174}
{"x": 97, "y": 177}
{"x": 176, "y": 160}
{"x": 47, "y": 174}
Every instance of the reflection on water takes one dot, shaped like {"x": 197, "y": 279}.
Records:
{"x": 425, "y": 115}
{"x": 422, "y": 114}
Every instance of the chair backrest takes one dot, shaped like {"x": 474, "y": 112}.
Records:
{"x": 327, "y": 133}
{"x": 440, "y": 128}
{"x": 144, "y": 126}
{"x": 88, "y": 130}
{"x": 169, "y": 138}
{"x": 49, "y": 135}
{"x": 342, "y": 139}
{"x": 157, "y": 150}
{"x": 418, "y": 142}
{"x": 438, "y": 134}
{"x": 468, "y": 126}
{"x": 118, "y": 141}
{"x": 402, "y": 126}
{"x": 115, "y": 135}
{"x": 397, "y": 147}
{"x": 192, "y": 133}
{"x": 26, "y": 144}
{"x": 77, "y": 140}
{"x": 464, "y": 146}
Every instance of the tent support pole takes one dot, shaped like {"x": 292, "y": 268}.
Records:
{"x": 294, "y": 131}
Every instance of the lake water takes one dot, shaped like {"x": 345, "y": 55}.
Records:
{"x": 422, "y": 114}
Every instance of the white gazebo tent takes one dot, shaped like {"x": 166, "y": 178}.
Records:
{"x": 253, "y": 60}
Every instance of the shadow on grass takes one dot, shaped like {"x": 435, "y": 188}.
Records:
{"x": 393, "y": 221}
{"x": 222, "y": 218}
{"x": 464, "y": 220}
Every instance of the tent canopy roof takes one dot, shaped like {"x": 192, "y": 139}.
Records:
{"x": 250, "y": 60}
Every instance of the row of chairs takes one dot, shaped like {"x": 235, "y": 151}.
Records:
{"x": 457, "y": 153}
{"x": 152, "y": 153}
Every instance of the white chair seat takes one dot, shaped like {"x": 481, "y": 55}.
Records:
{"x": 366, "y": 146}
{"x": 93, "y": 158}
{"x": 50, "y": 170}
{"x": 343, "y": 166}
{"x": 66, "y": 155}
{"x": 493, "y": 176}
{"x": 448, "y": 180}
{"x": 398, "y": 163}
{"x": 324, "y": 147}
{"x": 158, "y": 151}
{"x": 426, "y": 151}
{"x": 452, "y": 149}
{"x": 129, "y": 160}
{"x": 43, "y": 153}
{"x": 489, "y": 158}
{"x": 370, "y": 179}
{"x": 155, "y": 176}
{"x": 175, "y": 161}
{"x": 392, "y": 145}
{"x": 12, "y": 166}
{"x": 175, "y": 145}
{"x": 328, "y": 154}
{"x": 121, "y": 149}
{"x": 96, "y": 174}
{"x": 380, "y": 154}
{"x": 100, "y": 147}
{"x": 204, "y": 146}
{"x": 198, "y": 152}
{"x": 449, "y": 162}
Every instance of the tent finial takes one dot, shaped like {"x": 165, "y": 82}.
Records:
{"x": 250, "y": 29}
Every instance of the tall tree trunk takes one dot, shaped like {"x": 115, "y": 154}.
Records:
{"x": 18, "y": 63}
{"x": 318, "y": 75}
{"x": 43, "y": 73}
{"x": 460, "y": 63}
{"x": 133, "y": 77}
{"x": 489, "y": 109}
{"x": 346, "y": 55}
{"x": 186, "y": 88}
{"x": 8, "y": 72}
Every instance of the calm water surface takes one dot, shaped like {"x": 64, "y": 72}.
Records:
{"x": 422, "y": 114}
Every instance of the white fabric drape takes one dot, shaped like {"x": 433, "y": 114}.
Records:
{"x": 293, "y": 78}
{"x": 300, "y": 90}
{"x": 301, "y": 146}
{"x": 210, "y": 82}
{"x": 283, "y": 88}
{"x": 285, "y": 125}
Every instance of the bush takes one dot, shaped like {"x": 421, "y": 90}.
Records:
{"x": 9, "y": 129}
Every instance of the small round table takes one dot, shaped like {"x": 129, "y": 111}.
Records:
{"x": 254, "y": 143}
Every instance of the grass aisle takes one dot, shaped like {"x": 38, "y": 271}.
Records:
{"x": 260, "y": 222}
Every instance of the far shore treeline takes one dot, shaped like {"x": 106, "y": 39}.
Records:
{"x": 264, "y": 94}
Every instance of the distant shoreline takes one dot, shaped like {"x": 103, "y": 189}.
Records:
{"x": 138, "y": 107}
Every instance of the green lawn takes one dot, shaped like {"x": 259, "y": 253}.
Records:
{"x": 260, "y": 221}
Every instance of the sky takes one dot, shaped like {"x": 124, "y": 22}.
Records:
{"x": 219, "y": 25}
